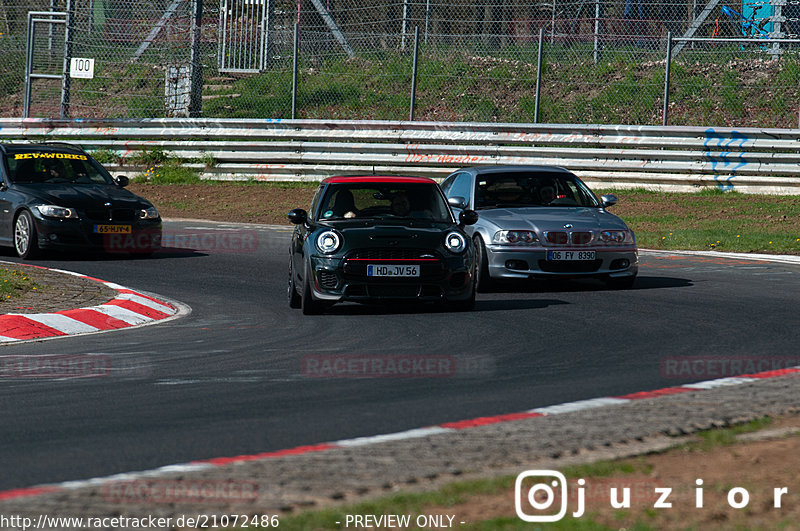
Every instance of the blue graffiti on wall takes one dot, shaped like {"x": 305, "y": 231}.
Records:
{"x": 728, "y": 162}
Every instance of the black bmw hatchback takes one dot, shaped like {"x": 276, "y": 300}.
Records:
{"x": 56, "y": 196}
{"x": 375, "y": 239}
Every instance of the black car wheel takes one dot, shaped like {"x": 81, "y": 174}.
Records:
{"x": 295, "y": 301}
{"x": 25, "y": 238}
{"x": 310, "y": 306}
{"x": 483, "y": 281}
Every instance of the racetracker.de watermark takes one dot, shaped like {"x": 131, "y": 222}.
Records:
{"x": 55, "y": 366}
{"x": 395, "y": 366}
{"x": 682, "y": 367}
{"x": 183, "y": 241}
{"x": 181, "y": 491}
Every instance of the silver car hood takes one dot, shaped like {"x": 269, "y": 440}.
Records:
{"x": 549, "y": 218}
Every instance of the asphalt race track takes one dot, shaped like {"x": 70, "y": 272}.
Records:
{"x": 245, "y": 374}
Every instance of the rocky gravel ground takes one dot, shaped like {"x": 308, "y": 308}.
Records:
{"x": 346, "y": 475}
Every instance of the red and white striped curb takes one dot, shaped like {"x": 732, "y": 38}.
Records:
{"x": 450, "y": 427}
{"x": 129, "y": 308}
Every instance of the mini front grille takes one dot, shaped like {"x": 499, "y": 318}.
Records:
{"x": 581, "y": 238}
{"x": 394, "y": 254}
{"x": 327, "y": 279}
{"x": 400, "y": 292}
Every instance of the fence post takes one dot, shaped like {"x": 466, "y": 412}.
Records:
{"x": 414, "y": 74}
{"x": 538, "y": 77}
{"x": 427, "y": 18}
{"x": 665, "y": 114}
{"x": 196, "y": 94}
{"x": 295, "y": 48}
{"x": 66, "y": 80}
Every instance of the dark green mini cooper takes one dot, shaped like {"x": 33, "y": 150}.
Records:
{"x": 370, "y": 239}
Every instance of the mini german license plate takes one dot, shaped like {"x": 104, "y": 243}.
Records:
{"x": 570, "y": 256}
{"x": 112, "y": 229}
{"x": 374, "y": 270}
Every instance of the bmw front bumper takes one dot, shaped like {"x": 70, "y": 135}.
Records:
{"x": 532, "y": 262}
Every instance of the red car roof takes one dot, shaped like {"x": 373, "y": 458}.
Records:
{"x": 376, "y": 179}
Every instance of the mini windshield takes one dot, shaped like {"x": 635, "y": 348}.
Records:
{"x": 49, "y": 167}
{"x": 397, "y": 200}
{"x": 521, "y": 189}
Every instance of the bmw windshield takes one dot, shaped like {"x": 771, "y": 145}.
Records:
{"x": 31, "y": 166}
{"x": 521, "y": 189}
{"x": 390, "y": 201}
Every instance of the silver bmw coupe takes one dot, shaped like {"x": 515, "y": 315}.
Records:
{"x": 541, "y": 221}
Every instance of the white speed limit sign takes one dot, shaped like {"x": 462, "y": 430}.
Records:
{"x": 81, "y": 68}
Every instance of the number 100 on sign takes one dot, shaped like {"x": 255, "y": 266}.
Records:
{"x": 81, "y": 68}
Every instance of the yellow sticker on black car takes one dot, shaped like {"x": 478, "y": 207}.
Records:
{"x": 70, "y": 156}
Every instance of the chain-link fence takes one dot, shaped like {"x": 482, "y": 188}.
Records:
{"x": 602, "y": 61}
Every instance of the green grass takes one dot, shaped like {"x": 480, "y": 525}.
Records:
{"x": 465, "y": 83}
{"x": 712, "y": 220}
{"x": 14, "y": 282}
{"x": 714, "y": 438}
{"x": 171, "y": 172}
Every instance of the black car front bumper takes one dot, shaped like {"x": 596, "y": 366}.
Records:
{"x": 139, "y": 236}
{"x": 444, "y": 279}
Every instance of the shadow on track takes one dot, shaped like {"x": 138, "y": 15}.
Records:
{"x": 417, "y": 308}
{"x": 578, "y": 285}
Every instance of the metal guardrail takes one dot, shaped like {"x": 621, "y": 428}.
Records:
{"x": 671, "y": 158}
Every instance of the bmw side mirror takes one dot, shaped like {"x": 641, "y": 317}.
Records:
{"x": 609, "y": 200}
{"x": 467, "y": 217}
{"x": 457, "y": 201}
{"x": 298, "y": 216}
{"x": 122, "y": 181}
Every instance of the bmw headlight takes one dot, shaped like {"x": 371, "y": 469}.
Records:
{"x": 515, "y": 237}
{"x": 615, "y": 237}
{"x": 455, "y": 242}
{"x": 148, "y": 213}
{"x": 54, "y": 211}
{"x": 329, "y": 242}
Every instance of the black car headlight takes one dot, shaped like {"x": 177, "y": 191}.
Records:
{"x": 55, "y": 211}
{"x": 615, "y": 237}
{"x": 515, "y": 237}
{"x": 148, "y": 213}
{"x": 329, "y": 242}
{"x": 455, "y": 242}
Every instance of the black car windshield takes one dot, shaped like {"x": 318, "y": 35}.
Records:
{"x": 395, "y": 200}
{"x": 521, "y": 189}
{"x": 49, "y": 167}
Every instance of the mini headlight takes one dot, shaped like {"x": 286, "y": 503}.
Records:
{"x": 54, "y": 211}
{"x": 148, "y": 213}
{"x": 515, "y": 237}
{"x": 455, "y": 242}
{"x": 328, "y": 242}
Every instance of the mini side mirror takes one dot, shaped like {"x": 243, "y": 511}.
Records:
{"x": 298, "y": 216}
{"x": 122, "y": 181}
{"x": 467, "y": 217}
{"x": 609, "y": 200}
{"x": 457, "y": 201}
